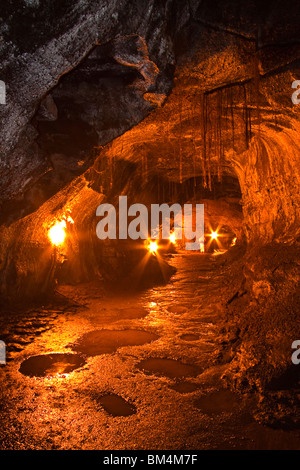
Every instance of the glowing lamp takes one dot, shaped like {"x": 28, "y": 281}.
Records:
{"x": 57, "y": 233}
{"x": 152, "y": 247}
{"x": 214, "y": 235}
{"x": 172, "y": 238}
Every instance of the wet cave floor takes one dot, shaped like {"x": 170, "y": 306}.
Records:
{"x": 133, "y": 372}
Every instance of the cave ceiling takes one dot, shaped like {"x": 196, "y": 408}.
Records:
{"x": 179, "y": 89}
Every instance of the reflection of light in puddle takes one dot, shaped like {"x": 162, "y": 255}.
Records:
{"x": 49, "y": 365}
{"x": 98, "y": 342}
{"x": 189, "y": 337}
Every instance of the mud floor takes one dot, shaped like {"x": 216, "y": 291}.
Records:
{"x": 99, "y": 371}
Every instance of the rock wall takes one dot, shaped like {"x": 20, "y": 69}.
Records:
{"x": 92, "y": 90}
{"x": 269, "y": 178}
{"x": 42, "y": 41}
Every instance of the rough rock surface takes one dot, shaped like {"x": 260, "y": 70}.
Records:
{"x": 43, "y": 41}
{"x": 66, "y": 145}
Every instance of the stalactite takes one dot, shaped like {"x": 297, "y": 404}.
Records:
{"x": 180, "y": 139}
{"x": 248, "y": 99}
{"x": 209, "y": 139}
{"x": 256, "y": 88}
{"x": 193, "y": 126}
{"x": 203, "y": 137}
{"x": 218, "y": 130}
{"x": 246, "y": 116}
{"x": 225, "y": 128}
{"x": 214, "y": 134}
{"x": 219, "y": 133}
{"x": 232, "y": 116}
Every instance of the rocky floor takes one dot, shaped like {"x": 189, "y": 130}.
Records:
{"x": 100, "y": 370}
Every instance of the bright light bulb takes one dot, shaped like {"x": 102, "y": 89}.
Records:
{"x": 152, "y": 247}
{"x": 214, "y": 235}
{"x": 57, "y": 233}
{"x": 172, "y": 238}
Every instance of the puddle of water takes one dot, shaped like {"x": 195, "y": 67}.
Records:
{"x": 98, "y": 342}
{"x": 116, "y": 405}
{"x": 189, "y": 337}
{"x": 177, "y": 309}
{"x": 168, "y": 368}
{"x": 51, "y": 364}
{"x": 132, "y": 313}
{"x": 185, "y": 387}
{"x": 218, "y": 402}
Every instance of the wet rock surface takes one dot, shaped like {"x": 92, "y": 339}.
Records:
{"x": 110, "y": 401}
{"x": 177, "y": 309}
{"x": 218, "y": 402}
{"x": 108, "y": 341}
{"x": 167, "y": 367}
{"x": 173, "y": 101}
{"x": 48, "y": 365}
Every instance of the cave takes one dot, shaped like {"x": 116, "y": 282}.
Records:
{"x": 149, "y": 225}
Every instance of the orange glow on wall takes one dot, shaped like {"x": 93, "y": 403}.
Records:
{"x": 57, "y": 233}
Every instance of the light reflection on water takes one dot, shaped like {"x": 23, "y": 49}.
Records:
{"x": 62, "y": 411}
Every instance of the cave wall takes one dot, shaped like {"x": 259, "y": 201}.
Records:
{"x": 178, "y": 89}
{"x": 42, "y": 41}
{"x": 269, "y": 178}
